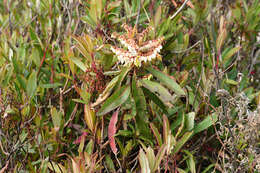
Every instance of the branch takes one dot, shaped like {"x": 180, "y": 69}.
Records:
{"x": 179, "y": 10}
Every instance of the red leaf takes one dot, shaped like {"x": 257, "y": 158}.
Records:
{"x": 112, "y": 131}
{"x": 77, "y": 141}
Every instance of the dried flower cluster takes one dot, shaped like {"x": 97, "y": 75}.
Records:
{"x": 137, "y": 51}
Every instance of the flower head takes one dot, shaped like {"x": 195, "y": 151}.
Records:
{"x": 137, "y": 51}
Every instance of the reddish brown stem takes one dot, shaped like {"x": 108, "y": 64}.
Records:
{"x": 43, "y": 59}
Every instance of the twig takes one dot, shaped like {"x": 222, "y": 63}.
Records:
{"x": 136, "y": 161}
{"x": 44, "y": 56}
{"x": 5, "y": 167}
{"x": 120, "y": 167}
{"x": 254, "y": 57}
{"x": 72, "y": 115}
{"x": 179, "y": 10}
{"x": 185, "y": 50}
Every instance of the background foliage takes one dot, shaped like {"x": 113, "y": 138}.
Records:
{"x": 66, "y": 105}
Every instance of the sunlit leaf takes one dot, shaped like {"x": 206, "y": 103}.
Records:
{"x": 143, "y": 162}
{"x": 182, "y": 141}
{"x": 79, "y": 63}
{"x": 31, "y": 85}
{"x": 169, "y": 82}
{"x": 117, "y": 99}
{"x": 206, "y": 123}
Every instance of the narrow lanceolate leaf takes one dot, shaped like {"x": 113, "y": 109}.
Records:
{"x": 141, "y": 109}
{"x": 230, "y": 53}
{"x": 31, "y": 84}
{"x": 231, "y": 82}
{"x": 189, "y": 121}
{"x": 117, "y": 99}
{"x": 150, "y": 156}
{"x": 155, "y": 99}
{"x": 75, "y": 166}
{"x": 157, "y": 17}
{"x": 102, "y": 97}
{"x": 221, "y": 38}
{"x": 167, "y": 137}
{"x": 159, "y": 157}
{"x": 166, "y": 129}
{"x": 190, "y": 162}
{"x": 156, "y": 134}
{"x": 112, "y": 131}
{"x": 56, "y": 167}
{"x": 144, "y": 162}
{"x": 206, "y": 123}
{"x": 158, "y": 89}
{"x": 139, "y": 98}
{"x": 110, "y": 164}
{"x": 56, "y": 118}
{"x": 166, "y": 80}
{"x": 89, "y": 117}
{"x": 121, "y": 77}
{"x": 84, "y": 45}
{"x": 78, "y": 63}
{"x": 182, "y": 141}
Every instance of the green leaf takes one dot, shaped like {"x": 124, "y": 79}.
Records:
{"x": 99, "y": 8}
{"x": 221, "y": 38}
{"x": 140, "y": 104}
{"x": 157, "y": 17}
{"x": 191, "y": 162}
{"x": 206, "y": 123}
{"x": 31, "y": 84}
{"x": 127, "y": 133}
{"x": 169, "y": 82}
{"x": 181, "y": 170}
{"x": 155, "y": 99}
{"x": 139, "y": 98}
{"x": 56, "y": 118}
{"x": 88, "y": 19}
{"x": 122, "y": 76}
{"x": 159, "y": 157}
{"x": 166, "y": 130}
{"x": 150, "y": 156}
{"x": 80, "y": 101}
{"x": 158, "y": 89}
{"x": 182, "y": 141}
{"x": 110, "y": 86}
{"x": 208, "y": 168}
{"x": 79, "y": 63}
{"x": 51, "y": 85}
{"x": 190, "y": 121}
{"x": 156, "y": 133}
{"x": 230, "y": 53}
{"x": 90, "y": 146}
{"x": 231, "y": 82}
{"x": 22, "y": 81}
{"x": 85, "y": 46}
{"x": 93, "y": 11}
{"x": 128, "y": 148}
{"x": 117, "y": 99}
{"x": 56, "y": 167}
{"x": 144, "y": 162}
{"x": 110, "y": 164}
{"x": 127, "y": 8}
